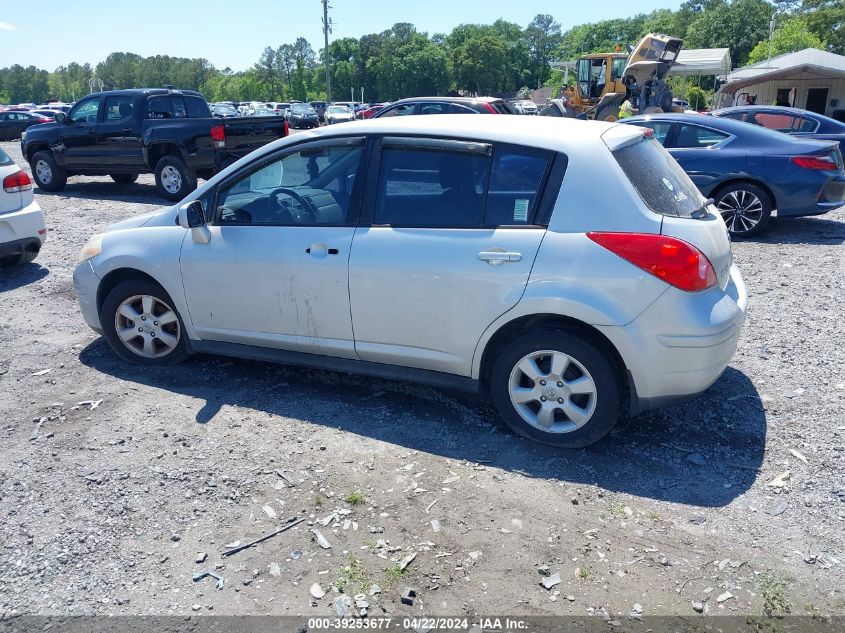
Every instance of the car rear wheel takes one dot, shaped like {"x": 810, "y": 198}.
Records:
{"x": 746, "y": 208}
{"x": 141, "y": 325}
{"x": 556, "y": 387}
{"x": 124, "y": 179}
{"x": 173, "y": 178}
{"x": 47, "y": 174}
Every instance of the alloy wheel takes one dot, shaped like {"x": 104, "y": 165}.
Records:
{"x": 171, "y": 179}
{"x": 44, "y": 171}
{"x": 552, "y": 391}
{"x": 147, "y": 326}
{"x": 741, "y": 210}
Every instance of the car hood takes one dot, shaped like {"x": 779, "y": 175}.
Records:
{"x": 162, "y": 217}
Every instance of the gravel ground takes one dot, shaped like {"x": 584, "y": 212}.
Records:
{"x": 114, "y": 478}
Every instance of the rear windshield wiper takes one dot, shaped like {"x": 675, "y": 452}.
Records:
{"x": 701, "y": 211}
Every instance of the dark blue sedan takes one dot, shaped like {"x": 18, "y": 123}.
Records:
{"x": 749, "y": 171}
{"x": 792, "y": 121}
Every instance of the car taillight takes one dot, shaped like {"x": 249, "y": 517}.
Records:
{"x": 218, "y": 136}
{"x": 287, "y": 129}
{"x": 676, "y": 262}
{"x": 14, "y": 183}
{"x": 490, "y": 108}
{"x": 815, "y": 162}
{"x": 45, "y": 119}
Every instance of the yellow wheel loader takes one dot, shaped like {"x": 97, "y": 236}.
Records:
{"x": 604, "y": 81}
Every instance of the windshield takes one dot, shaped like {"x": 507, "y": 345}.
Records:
{"x": 662, "y": 184}
{"x": 225, "y": 109}
{"x": 298, "y": 108}
{"x": 339, "y": 110}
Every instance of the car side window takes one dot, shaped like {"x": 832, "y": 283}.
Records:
{"x": 85, "y": 111}
{"x": 197, "y": 108}
{"x": 660, "y": 128}
{"x": 402, "y": 110}
{"x": 692, "y": 136}
{"x": 736, "y": 116}
{"x": 434, "y": 108}
{"x": 158, "y": 108}
{"x": 516, "y": 179}
{"x": 177, "y": 107}
{"x": 456, "y": 108}
{"x": 311, "y": 187}
{"x": 118, "y": 108}
{"x": 425, "y": 188}
{"x": 803, "y": 124}
{"x": 783, "y": 122}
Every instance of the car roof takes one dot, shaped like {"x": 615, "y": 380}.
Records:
{"x": 450, "y": 99}
{"x": 553, "y": 133}
{"x": 826, "y": 121}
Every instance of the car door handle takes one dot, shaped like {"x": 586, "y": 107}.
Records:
{"x": 320, "y": 250}
{"x": 497, "y": 258}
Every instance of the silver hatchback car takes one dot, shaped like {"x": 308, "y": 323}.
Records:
{"x": 569, "y": 270}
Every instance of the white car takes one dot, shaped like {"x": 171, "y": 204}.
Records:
{"x": 449, "y": 250}
{"x": 22, "y": 231}
{"x": 339, "y": 114}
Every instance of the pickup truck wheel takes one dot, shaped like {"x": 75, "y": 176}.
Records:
{"x": 141, "y": 325}
{"x": 557, "y": 387}
{"x": 124, "y": 179}
{"x": 48, "y": 175}
{"x": 174, "y": 179}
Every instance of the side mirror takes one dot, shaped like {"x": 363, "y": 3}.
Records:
{"x": 191, "y": 216}
{"x": 60, "y": 117}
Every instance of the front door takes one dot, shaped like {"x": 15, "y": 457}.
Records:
{"x": 275, "y": 272}
{"x": 449, "y": 236}
{"x": 118, "y": 135}
{"x": 78, "y": 148}
{"x": 817, "y": 100}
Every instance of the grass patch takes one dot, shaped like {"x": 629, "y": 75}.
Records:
{"x": 393, "y": 575}
{"x": 318, "y": 500}
{"x": 355, "y": 498}
{"x": 353, "y": 576}
{"x": 775, "y": 598}
{"x": 584, "y": 572}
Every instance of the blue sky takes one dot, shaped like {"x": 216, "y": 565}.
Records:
{"x": 234, "y": 33}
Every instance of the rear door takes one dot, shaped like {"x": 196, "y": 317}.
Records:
{"x": 118, "y": 134}
{"x": 450, "y": 230}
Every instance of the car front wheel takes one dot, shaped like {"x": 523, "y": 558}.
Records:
{"x": 558, "y": 388}
{"x": 48, "y": 175}
{"x": 141, "y": 325}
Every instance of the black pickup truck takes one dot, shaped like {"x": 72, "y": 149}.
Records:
{"x": 123, "y": 133}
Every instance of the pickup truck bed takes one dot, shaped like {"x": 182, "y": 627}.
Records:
{"x": 124, "y": 133}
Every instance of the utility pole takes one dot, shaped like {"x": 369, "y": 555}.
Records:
{"x": 327, "y": 28}
{"x": 771, "y": 34}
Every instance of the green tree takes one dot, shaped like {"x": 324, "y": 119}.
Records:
{"x": 543, "y": 35}
{"x": 792, "y": 35}
{"x": 737, "y": 25}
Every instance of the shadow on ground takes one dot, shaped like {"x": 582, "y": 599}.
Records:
{"x": 18, "y": 276}
{"x": 809, "y": 230}
{"x": 645, "y": 456}
{"x": 108, "y": 190}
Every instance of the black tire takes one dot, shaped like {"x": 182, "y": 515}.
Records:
{"x": 23, "y": 258}
{"x": 606, "y": 401}
{"x": 124, "y": 179}
{"x": 187, "y": 179}
{"x": 137, "y": 287}
{"x": 52, "y": 179}
{"x": 727, "y": 201}
{"x": 609, "y": 113}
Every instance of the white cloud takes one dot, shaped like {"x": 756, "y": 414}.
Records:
{"x": 5, "y": 26}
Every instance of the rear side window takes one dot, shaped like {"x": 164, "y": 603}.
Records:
{"x": 431, "y": 189}
{"x": 401, "y": 110}
{"x": 197, "y": 108}
{"x": 736, "y": 116}
{"x": 661, "y": 129}
{"x": 662, "y": 184}
{"x": 4, "y": 158}
{"x": 784, "y": 122}
{"x": 516, "y": 180}
{"x": 434, "y": 108}
{"x": 502, "y": 107}
{"x": 695, "y": 136}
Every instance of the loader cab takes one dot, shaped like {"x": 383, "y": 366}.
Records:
{"x": 598, "y": 74}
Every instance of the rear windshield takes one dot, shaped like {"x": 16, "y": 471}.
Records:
{"x": 662, "y": 184}
{"x": 4, "y": 158}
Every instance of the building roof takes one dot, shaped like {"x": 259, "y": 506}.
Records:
{"x": 810, "y": 63}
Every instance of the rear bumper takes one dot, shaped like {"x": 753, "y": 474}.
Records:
{"x": 831, "y": 196}
{"x": 22, "y": 230}
{"x": 682, "y": 343}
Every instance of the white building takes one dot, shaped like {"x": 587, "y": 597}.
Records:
{"x": 810, "y": 79}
